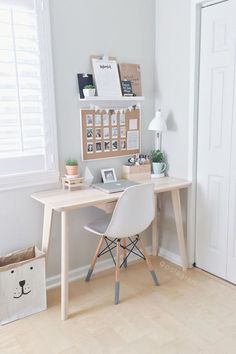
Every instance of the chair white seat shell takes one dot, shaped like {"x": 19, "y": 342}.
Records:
{"x": 99, "y": 226}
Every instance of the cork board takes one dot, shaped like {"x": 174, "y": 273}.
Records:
{"x": 109, "y": 133}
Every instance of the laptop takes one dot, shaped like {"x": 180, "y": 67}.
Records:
{"x": 114, "y": 187}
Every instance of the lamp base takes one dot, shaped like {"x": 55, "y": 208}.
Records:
{"x": 157, "y": 175}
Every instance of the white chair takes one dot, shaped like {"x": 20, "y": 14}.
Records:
{"x": 133, "y": 213}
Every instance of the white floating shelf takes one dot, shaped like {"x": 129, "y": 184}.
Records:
{"x": 119, "y": 98}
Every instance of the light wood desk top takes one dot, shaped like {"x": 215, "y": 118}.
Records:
{"x": 60, "y": 200}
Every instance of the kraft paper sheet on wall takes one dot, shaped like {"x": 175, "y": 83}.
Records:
{"x": 109, "y": 133}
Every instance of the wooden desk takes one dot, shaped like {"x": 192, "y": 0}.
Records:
{"x": 63, "y": 201}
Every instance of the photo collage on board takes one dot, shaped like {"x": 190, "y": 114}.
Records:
{"x": 105, "y": 132}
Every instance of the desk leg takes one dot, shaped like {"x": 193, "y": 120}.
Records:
{"x": 47, "y": 223}
{"x": 64, "y": 267}
{"x": 154, "y": 230}
{"x": 179, "y": 226}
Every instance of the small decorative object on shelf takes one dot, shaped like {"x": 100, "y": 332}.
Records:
{"x": 126, "y": 87}
{"x": 89, "y": 91}
{"x": 158, "y": 163}
{"x": 72, "y": 167}
{"x": 72, "y": 182}
{"x": 84, "y": 80}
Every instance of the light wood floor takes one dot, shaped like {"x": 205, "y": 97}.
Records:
{"x": 189, "y": 313}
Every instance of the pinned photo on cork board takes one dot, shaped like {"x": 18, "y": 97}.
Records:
{"x": 109, "y": 140}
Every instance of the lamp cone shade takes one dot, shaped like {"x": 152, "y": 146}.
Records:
{"x": 158, "y": 123}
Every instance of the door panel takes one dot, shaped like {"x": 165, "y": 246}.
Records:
{"x": 216, "y": 99}
{"x": 231, "y": 255}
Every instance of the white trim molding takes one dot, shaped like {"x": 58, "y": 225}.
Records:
{"x": 25, "y": 180}
{"x": 170, "y": 256}
{"x": 196, "y": 6}
{"x": 81, "y": 272}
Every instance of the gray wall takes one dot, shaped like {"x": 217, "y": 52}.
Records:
{"x": 125, "y": 29}
{"x": 172, "y": 95}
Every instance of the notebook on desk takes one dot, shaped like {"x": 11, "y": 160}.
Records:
{"x": 114, "y": 187}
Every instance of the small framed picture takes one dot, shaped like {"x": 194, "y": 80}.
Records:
{"x": 105, "y": 119}
{"x": 123, "y": 144}
{"x": 98, "y": 133}
{"x": 114, "y": 145}
{"x": 122, "y": 132}
{"x": 122, "y": 119}
{"x": 114, "y": 119}
{"x": 106, "y": 145}
{"x": 114, "y": 132}
{"x": 98, "y": 146}
{"x": 89, "y": 133}
{"x": 108, "y": 175}
{"x": 106, "y": 133}
{"x": 89, "y": 120}
{"x": 89, "y": 148}
{"x": 98, "y": 119}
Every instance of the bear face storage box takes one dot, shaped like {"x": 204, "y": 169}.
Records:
{"x": 22, "y": 284}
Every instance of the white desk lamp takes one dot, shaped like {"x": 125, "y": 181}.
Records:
{"x": 158, "y": 124}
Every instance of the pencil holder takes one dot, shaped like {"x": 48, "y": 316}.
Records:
{"x": 136, "y": 172}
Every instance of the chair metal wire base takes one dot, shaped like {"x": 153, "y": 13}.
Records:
{"x": 131, "y": 248}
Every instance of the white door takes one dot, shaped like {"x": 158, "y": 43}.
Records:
{"x": 215, "y": 124}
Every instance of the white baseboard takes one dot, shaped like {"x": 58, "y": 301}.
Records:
{"x": 170, "y": 256}
{"x": 81, "y": 272}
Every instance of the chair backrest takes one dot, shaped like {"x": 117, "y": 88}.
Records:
{"x": 133, "y": 213}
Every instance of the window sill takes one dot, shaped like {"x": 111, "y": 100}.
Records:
{"x": 28, "y": 180}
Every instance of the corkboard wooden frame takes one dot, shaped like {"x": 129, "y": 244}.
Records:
{"x": 85, "y": 140}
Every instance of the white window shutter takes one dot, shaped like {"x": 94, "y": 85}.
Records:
{"x": 27, "y": 138}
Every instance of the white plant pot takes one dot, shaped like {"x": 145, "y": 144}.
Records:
{"x": 158, "y": 167}
{"x": 89, "y": 92}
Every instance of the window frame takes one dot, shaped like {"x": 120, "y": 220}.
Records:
{"x": 51, "y": 172}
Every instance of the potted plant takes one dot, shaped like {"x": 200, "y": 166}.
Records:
{"x": 158, "y": 162}
{"x": 71, "y": 167}
{"x": 89, "y": 91}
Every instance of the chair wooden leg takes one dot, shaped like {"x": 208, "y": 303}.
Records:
{"x": 94, "y": 260}
{"x": 125, "y": 253}
{"x": 117, "y": 273}
{"x": 149, "y": 263}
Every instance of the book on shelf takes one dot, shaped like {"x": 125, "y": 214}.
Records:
{"x": 132, "y": 73}
{"x": 106, "y": 76}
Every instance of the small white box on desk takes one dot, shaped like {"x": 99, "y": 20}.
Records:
{"x": 22, "y": 284}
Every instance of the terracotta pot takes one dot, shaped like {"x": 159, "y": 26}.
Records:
{"x": 72, "y": 170}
